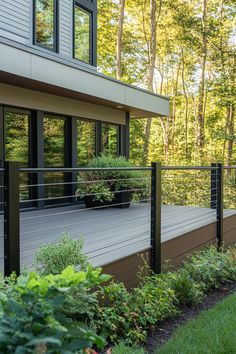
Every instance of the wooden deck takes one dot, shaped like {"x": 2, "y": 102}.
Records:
{"x": 110, "y": 234}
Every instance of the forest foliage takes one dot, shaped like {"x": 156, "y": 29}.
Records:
{"x": 185, "y": 50}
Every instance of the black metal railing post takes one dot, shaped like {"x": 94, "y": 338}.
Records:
{"x": 220, "y": 204}
{"x": 156, "y": 218}
{"x": 213, "y": 186}
{"x": 11, "y": 218}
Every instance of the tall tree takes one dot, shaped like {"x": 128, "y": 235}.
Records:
{"x": 119, "y": 40}
{"x": 202, "y": 83}
{"x": 151, "y": 69}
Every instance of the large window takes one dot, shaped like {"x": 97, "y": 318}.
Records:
{"x": 45, "y": 23}
{"x": 16, "y": 127}
{"x": 54, "y": 155}
{"x": 86, "y": 142}
{"x": 82, "y": 34}
{"x": 110, "y": 139}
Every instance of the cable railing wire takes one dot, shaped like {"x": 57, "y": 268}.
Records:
{"x": 84, "y": 182}
{"x": 80, "y": 210}
{"x": 84, "y": 195}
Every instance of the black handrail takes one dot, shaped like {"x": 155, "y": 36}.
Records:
{"x": 188, "y": 168}
{"x": 82, "y": 169}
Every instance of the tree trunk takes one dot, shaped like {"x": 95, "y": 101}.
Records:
{"x": 202, "y": 88}
{"x": 119, "y": 40}
{"x": 231, "y": 113}
{"x": 151, "y": 69}
{"x": 186, "y": 103}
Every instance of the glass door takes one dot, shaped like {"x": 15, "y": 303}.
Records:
{"x": 16, "y": 144}
{"x": 86, "y": 142}
{"x": 110, "y": 140}
{"x": 54, "y": 156}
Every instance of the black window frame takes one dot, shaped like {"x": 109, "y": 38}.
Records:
{"x": 55, "y": 25}
{"x": 90, "y": 7}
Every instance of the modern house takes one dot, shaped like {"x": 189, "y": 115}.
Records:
{"x": 56, "y": 109}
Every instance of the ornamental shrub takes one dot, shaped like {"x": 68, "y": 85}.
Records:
{"x": 53, "y": 258}
{"x": 211, "y": 268}
{"x": 130, "y": 315}
{"x": 187, "y": 291}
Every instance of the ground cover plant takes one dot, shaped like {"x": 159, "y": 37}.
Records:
{"x": 131, "y": 315}
{"x": 212, "y": 332}
{"x": 115, "y": 314}
{"x": 68, "y": 311}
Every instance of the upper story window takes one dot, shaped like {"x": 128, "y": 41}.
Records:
{"x": 45, "y": 23}
{"x": 85, "y": 31}
{"x": 82, "y": 34}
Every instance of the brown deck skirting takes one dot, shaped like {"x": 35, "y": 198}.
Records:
{"x": 229, "y": 230}
{"x": 174, "y": 251}
{"x": 126, "y": 270}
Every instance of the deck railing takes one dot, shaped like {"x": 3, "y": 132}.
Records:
{"x": 163, "y": 185}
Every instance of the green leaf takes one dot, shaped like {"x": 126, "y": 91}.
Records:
{"x": 42, "y": 340}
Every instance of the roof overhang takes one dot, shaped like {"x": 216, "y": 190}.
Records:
{"x": 23, "y": 66}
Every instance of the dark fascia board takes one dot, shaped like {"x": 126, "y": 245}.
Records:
{"x": 71, "y": 63}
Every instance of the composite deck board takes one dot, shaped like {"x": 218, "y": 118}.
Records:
{"x": 108, "y": 234}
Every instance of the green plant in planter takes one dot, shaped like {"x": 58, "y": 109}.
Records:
{"x": 106, "y": 186}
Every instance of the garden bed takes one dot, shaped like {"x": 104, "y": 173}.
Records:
{"x": 61, "y": 309}
{"x": 166, "y": 329}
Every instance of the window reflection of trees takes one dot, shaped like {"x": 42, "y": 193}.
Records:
{"x": 45, "y": 29}
{"x": 86, "y": 142}
{"x": 16, "y": 126}
{"x": 110, "y": 139}
{"x": 54, "y": 154}
{"x": 82, "y": 34}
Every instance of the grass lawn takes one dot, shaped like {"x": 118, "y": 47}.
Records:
{"x": 212, "y": 332}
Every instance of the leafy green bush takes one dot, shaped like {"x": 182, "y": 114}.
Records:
{"x": 129, "y": 315}
{"x": 187, "y": 291}
{"x": 31, "y": 314}
{"x": 53, "y": 258}
{"x": 113, "y": 316}
{"x": 103, "y": 184}
{"x": 211, "y": 268}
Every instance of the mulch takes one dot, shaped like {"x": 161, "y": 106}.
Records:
{"x": 160, "y": 335}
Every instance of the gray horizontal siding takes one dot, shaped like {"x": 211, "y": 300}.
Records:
{"x": 66, "y": 18}
{"x": 16, "y": 23}
{"x": 15, "y": 18}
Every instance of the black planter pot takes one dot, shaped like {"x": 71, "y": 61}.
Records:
{"x": 121, "y": 200}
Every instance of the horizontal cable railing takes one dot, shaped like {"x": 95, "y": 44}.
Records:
{"x": 94, "y": 210}
{"x": 118, "y": 211}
